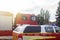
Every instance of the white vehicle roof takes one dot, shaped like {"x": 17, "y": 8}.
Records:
{"x": 20, "y": 29}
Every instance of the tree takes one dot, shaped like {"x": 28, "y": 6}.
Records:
{"x": 43, "y": 17}
{"x": 47, "y": 16}
{"x": 40, "y": 20}
{"x": 58, "y": 16}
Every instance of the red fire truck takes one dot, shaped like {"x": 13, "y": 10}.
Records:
{"x": 25, "y": 19}
{"x": 6, "y": 20}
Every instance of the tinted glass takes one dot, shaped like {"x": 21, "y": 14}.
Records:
{"x": 57, "y": 29}
{"x": 32, "y": 29}
{"x": 49, "y": 29}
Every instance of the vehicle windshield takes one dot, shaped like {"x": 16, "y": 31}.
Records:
{"x": 32, "y": 29}
{"x": 57, "y": 29}
{"x": 19, "y": 29}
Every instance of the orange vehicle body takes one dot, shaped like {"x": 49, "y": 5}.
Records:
{"x": 42, "y": 36}
{"x": 47, "y": 36}
{"x": 27, "y": 21}
{"x": 6, "y": 19}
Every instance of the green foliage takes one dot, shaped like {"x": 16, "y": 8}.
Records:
{"x": 43, "y": 17}
{"x": 58, "y": 14}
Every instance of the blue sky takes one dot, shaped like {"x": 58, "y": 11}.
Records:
{"x": 30, "y": 6}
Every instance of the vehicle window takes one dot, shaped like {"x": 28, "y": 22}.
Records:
{"x": 57, "y": 29}
{"x": 32, "y": 29}
{"x": 24, "y": 18}
{"x": 49, "y": 29}
{"x": 17, "y": 29}
{"x": 33, "y": 18}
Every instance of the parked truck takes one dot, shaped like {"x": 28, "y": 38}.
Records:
{"x": 23, "y": 19}
{"x": 6, "y": 21}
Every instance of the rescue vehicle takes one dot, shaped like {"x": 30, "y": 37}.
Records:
{"x": 36, "y": 32}
{"x": 23, "y": 19}
{"x": 6, "y": 21}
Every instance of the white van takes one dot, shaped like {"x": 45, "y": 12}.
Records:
{"x": 35, "y": 32}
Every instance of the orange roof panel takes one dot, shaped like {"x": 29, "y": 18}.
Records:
{"x": 3, "y": 13}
